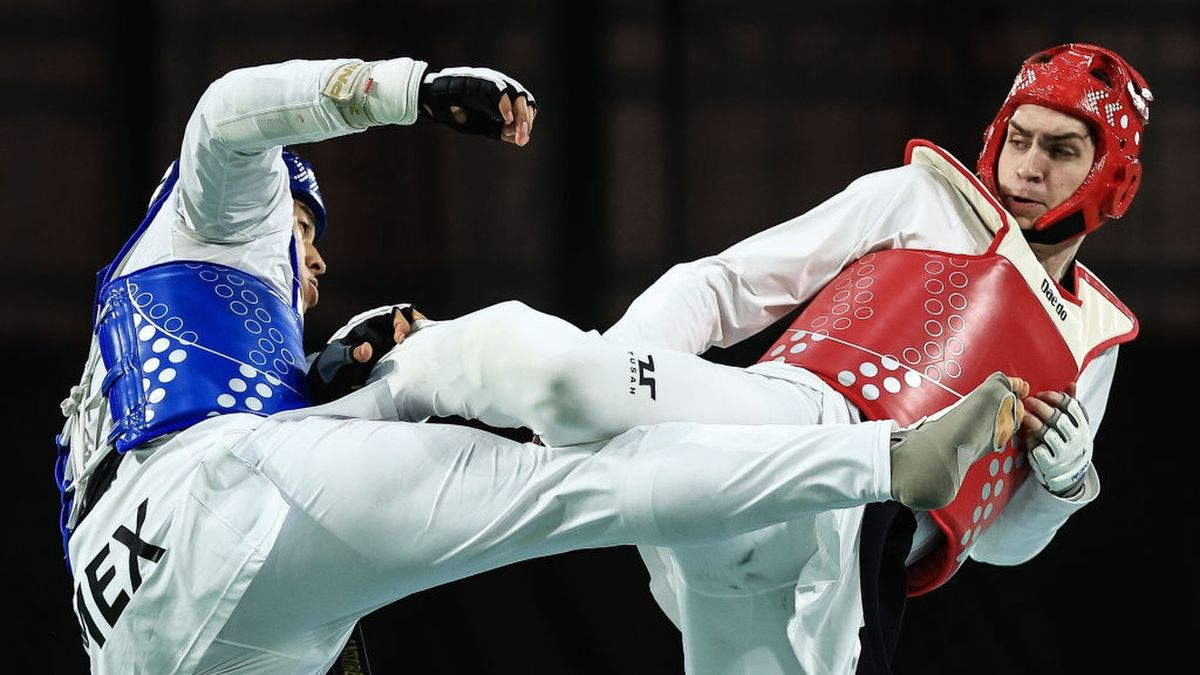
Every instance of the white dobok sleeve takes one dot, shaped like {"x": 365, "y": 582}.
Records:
{"x": 233, "y": 184}
{"x": 723, "y": 299}
{"x": 1034, "y": 515}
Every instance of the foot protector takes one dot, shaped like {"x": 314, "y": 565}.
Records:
{"x": 930, "y": 458}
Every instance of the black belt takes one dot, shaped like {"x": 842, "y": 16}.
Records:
{"x": 885, "y": 540}
{"x": 99, "y": 482}
{"x": 353, "y": 659}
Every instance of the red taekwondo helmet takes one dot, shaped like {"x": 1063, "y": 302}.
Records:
{"x": 1098, "y": 86}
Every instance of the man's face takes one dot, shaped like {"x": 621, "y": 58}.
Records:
{"x": 1046, "y": 156}
{"x": 312, "y": 265}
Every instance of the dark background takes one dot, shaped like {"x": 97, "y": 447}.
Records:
{"x": 668, "y": 130}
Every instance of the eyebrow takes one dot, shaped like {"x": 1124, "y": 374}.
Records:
{"x": 1051, "y": 138}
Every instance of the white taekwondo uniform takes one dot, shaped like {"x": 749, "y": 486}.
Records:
{"x": 255, "y": 542}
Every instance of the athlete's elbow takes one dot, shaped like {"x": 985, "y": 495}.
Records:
{"x": 1004, "y": 556}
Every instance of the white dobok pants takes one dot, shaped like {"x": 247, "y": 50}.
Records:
{"x": 280, "y": 533}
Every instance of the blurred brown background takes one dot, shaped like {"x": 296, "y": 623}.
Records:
{"x": 668, "y": 130}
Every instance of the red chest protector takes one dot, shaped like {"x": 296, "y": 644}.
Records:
{"x": 904, "y": 333}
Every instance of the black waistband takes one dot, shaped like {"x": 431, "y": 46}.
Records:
{"x": 101, "y": 479}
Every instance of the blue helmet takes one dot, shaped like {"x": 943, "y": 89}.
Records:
{"x": 304, "y": 187}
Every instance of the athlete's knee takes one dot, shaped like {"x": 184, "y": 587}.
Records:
{"x": 553, "y": 361}
{"x": 534, "y": 344}
{"x": 510, "y": 330}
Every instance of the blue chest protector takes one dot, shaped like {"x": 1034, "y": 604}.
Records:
{"x": 186, "y": 340}
{"x": 183, "y": 341}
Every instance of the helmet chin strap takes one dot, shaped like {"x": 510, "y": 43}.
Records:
{"x": 1067, "y": 228}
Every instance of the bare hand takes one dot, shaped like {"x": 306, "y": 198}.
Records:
{"x": 519, "y": 126}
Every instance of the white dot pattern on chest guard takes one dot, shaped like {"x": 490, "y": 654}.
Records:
{"x": 919, "y": 329}
{"x": 991, "y": 491}
{"x": 936, "y": 358}
{"x": 263, "y": 367}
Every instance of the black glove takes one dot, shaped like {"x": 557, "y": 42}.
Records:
{"x": 476, "y": 91}
{"x": 335, "y": 372}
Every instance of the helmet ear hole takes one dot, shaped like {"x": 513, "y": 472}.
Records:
{"x": 1125, "y": 185}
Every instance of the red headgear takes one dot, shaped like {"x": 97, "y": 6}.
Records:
{"x": 1099, "y": 87}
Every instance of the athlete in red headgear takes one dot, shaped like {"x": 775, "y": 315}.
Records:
{"x": 1100, "y": 89}
{"x": 908, "y": 277}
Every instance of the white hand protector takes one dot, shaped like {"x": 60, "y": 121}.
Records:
{"x": 1061, "y": 453}
{"x": 474, "y": 94}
